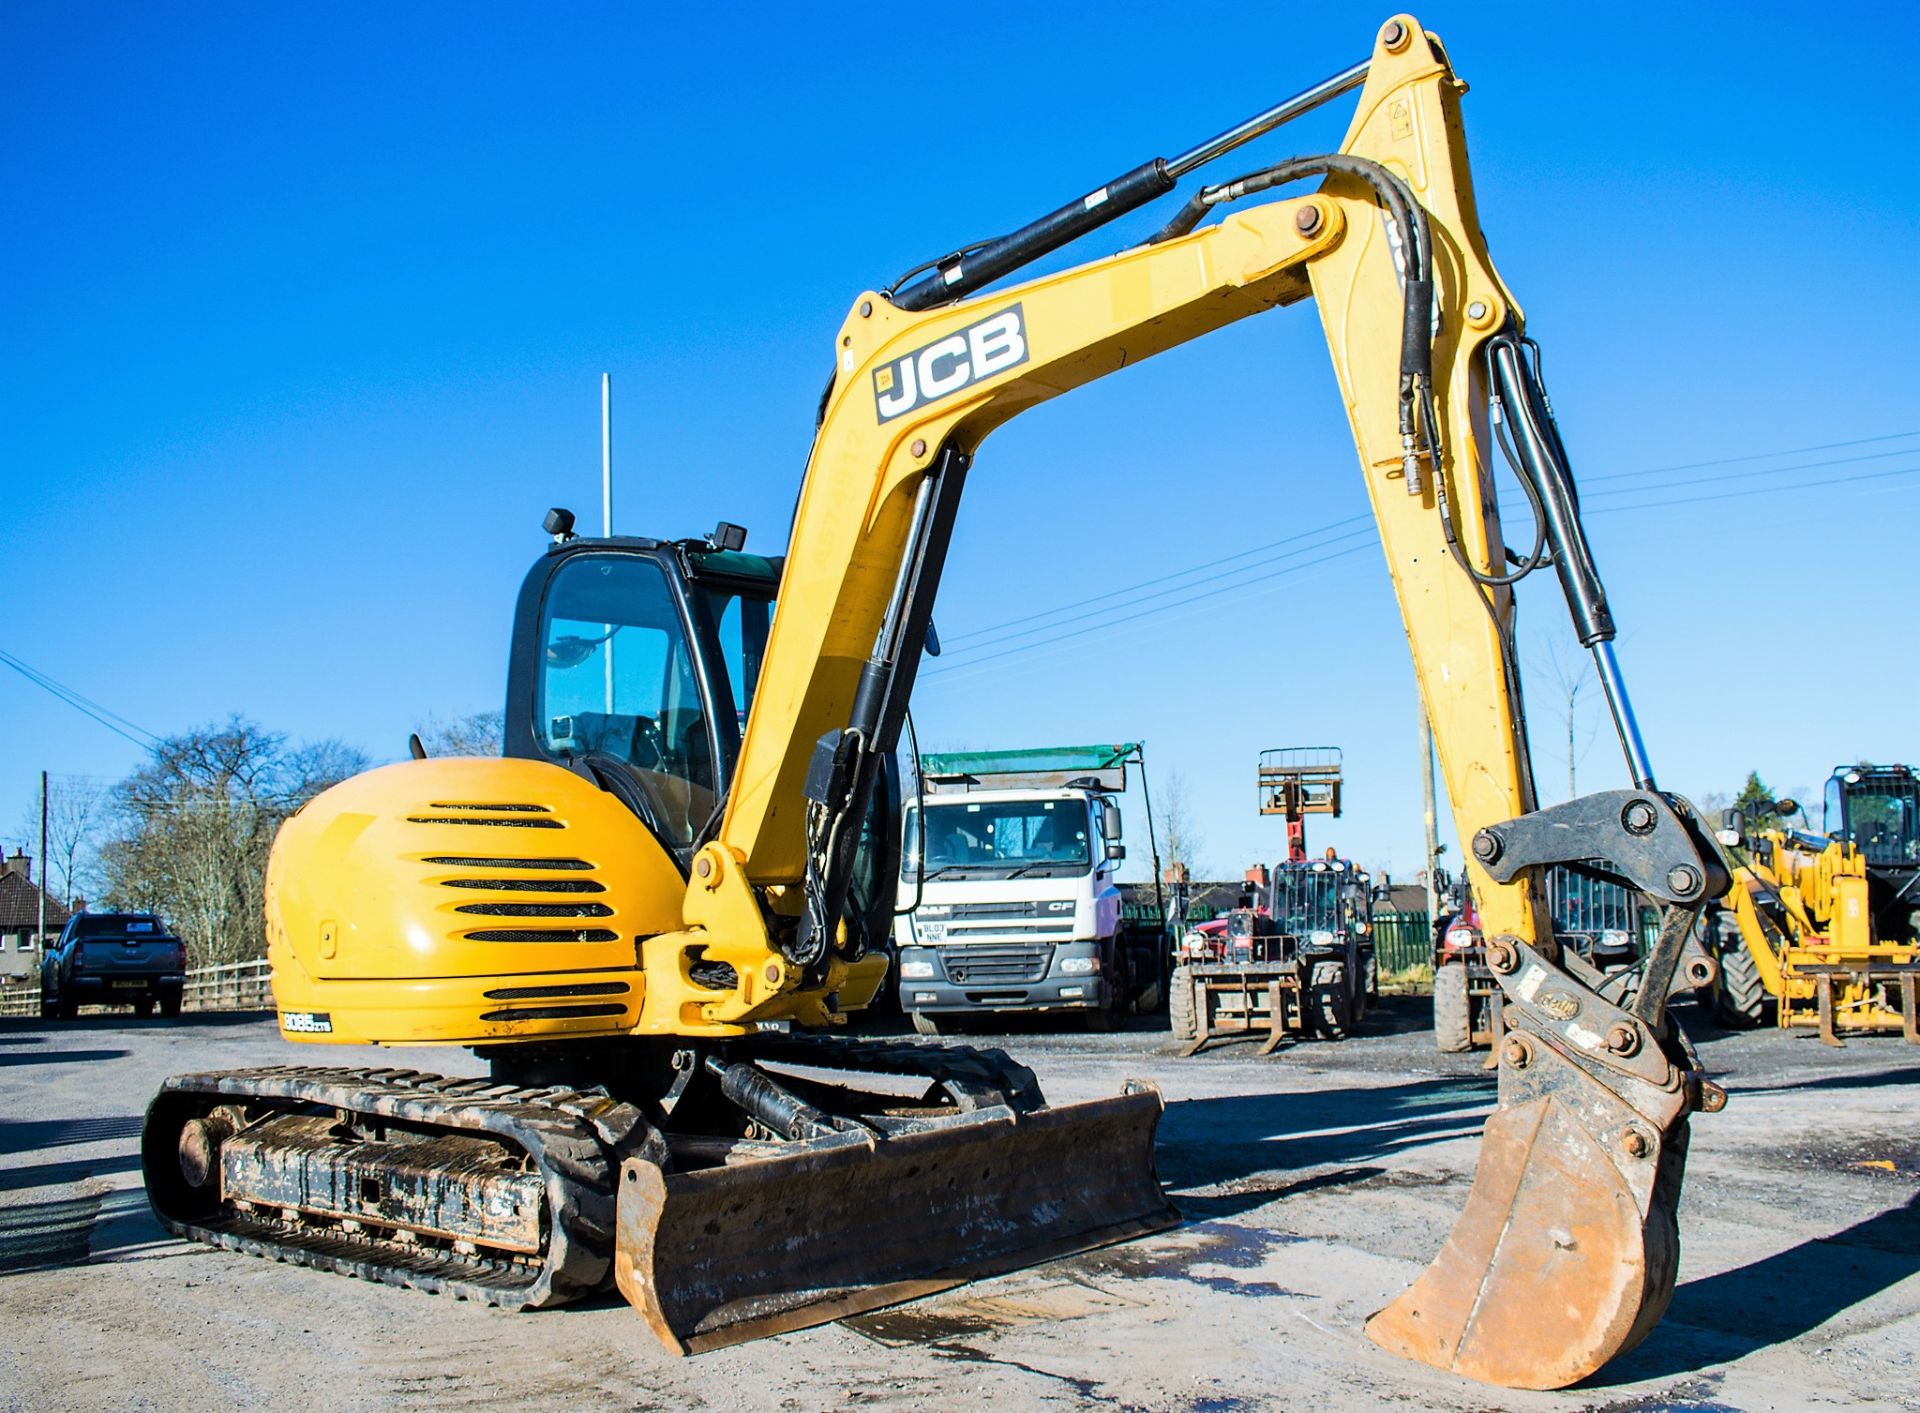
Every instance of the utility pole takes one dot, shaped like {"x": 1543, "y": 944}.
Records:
{"x": 1433, "y": 824}
{"x": 606, "y": 453}
{"x": 606, "y": 500}
{"x": 40, "y": 934}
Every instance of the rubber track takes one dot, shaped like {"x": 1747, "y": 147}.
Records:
{"x": 576, "y": 1138}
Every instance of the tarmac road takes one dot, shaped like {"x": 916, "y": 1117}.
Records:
{"x": 1316, "y": 1184}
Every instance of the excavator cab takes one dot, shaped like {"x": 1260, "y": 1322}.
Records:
{"x": 634, "y": 663}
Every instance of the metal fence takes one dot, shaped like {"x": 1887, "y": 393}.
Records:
{"x": 1402, "y": 941}
{"x": 231, "y": 986}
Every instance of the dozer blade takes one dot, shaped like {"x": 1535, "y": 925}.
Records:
{"x": 1566, "y": 1251}
{"x": 833, "y": 1226}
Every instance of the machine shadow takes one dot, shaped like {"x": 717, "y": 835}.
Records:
{"x": 1781, "y": 1297}
{"x": 1229, "y": 1142}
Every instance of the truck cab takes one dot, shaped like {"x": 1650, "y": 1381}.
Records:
{"x": 1013, "y": 877}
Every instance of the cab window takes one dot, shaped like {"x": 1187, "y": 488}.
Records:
{"x": 617, "y": 679}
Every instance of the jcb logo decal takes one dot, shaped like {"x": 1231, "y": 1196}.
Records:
{"x": 995, "y": 344}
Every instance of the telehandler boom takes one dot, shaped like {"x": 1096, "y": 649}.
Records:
{"x": 679, "y": 857}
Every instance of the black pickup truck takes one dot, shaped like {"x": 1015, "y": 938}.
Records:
{"x": 113, "y": 959}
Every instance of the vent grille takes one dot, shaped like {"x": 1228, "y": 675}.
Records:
{"x": 527, "y": 885}
{"x": 574, "y": 988}
{"x": 537, "y": 909}
{"x": 552, "y": 1012}
{"x": 473, "y": 861}
{"x": 498, "y": 809}
{"x": 487, "y": 823}
{"x": 997, "y": 966}
{"x": 544, "y": 934}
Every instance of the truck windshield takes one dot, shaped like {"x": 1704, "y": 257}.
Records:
{"x": 1306, "y": 900}
{"x": 969, "y": 836}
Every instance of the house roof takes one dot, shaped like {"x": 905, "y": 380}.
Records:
{"x": 20, "y": 905}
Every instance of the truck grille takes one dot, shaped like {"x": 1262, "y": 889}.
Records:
{"x": 997, "y": 965}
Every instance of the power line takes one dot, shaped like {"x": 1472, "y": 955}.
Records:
{"x": 999, "y": 638}
{"x": 1160, "y": 579}
{"x": 1752, "y": 456}
{"x": 1148, "y": 612}
{"x": 86, "y": 706}
{"x": 1749, "y": 475}
{"x": 1372, "y": 538}
{"x": 997, "y": 633}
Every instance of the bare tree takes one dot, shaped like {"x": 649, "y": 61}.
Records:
{"x": 1572, "y": 678}
{"x": 195, "y": 824}
{"x": 478, "y": 733}
{"x": 77, "y": 810}
{"x": 1182, "y": 837}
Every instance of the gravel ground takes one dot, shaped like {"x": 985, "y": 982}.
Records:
{"x": 1315, "y": 1184}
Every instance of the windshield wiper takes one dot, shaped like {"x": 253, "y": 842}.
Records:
{"x": 1042, "y": 863}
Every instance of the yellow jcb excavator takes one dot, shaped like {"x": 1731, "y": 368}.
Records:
{"x": 684, "y": 864}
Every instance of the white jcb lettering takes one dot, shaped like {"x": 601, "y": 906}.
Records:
{"x": 996, "y": 343}
{"x": 903, "y": 394}
{"x": 935, "y": 383}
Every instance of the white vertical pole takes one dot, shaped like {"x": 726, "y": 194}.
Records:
{"x": 606, "y": 453}
{"x": 606, "y": 500}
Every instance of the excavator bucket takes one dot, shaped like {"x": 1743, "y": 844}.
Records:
{"x": 854, "y": 1221}
{"x": 1565, "y": 1253}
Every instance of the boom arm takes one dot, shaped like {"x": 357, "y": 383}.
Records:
{"x": 1567, "y": 1249}
{"x": 915, "y": 394}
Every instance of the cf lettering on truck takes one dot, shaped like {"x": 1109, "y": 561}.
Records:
{"x": 1015, "y": 858}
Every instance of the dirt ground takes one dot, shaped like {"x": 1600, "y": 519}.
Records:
{"x": 1315, "y": 1184}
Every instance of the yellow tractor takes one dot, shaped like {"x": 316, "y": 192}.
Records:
{"x": 1822, "y": 928}
{"x": 650, "y": 915}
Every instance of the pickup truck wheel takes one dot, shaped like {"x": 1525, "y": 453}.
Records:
{"x": 143, "y": 1007}
{"x": 1452, "y": 1010}
{"x": 1180, "y": 1003}
{"x": 170, "y": 1007}
{"x": 47, "y": 1009}
{"x": 924, "y": 1024}
{"x": 65, "y": 1006}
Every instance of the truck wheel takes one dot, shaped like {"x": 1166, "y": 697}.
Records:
{"x": 1740, "y": 996}
{"x": 170, "y": 1007}
{"x": 1097, "y": 1020}
{"x": 924, "y": 1024}
{"x": 1329, "y": 1002}
{"x": 143, "y": 1007}
{"x": 47, "y": 1007}
{"x": 1452, "y": 1010}
{"x": 1372, "y": 965}
{"x": 65, "y": 1006}
{"x": 1180, "y": 1004}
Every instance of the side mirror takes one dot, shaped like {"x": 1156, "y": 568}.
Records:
{"x": 1110, "y": 821}
{"x": 1116, "y": 852}
{"x": 1733, "y": 827}
{"x": 1784, "y": 808}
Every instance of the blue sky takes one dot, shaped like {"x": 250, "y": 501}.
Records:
{"x": 305, "y": 308}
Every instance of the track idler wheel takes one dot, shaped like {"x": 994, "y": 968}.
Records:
{"x": 1566, "y": 1251}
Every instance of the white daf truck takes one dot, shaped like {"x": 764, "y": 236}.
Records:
{"x": 1010, "y": 865}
